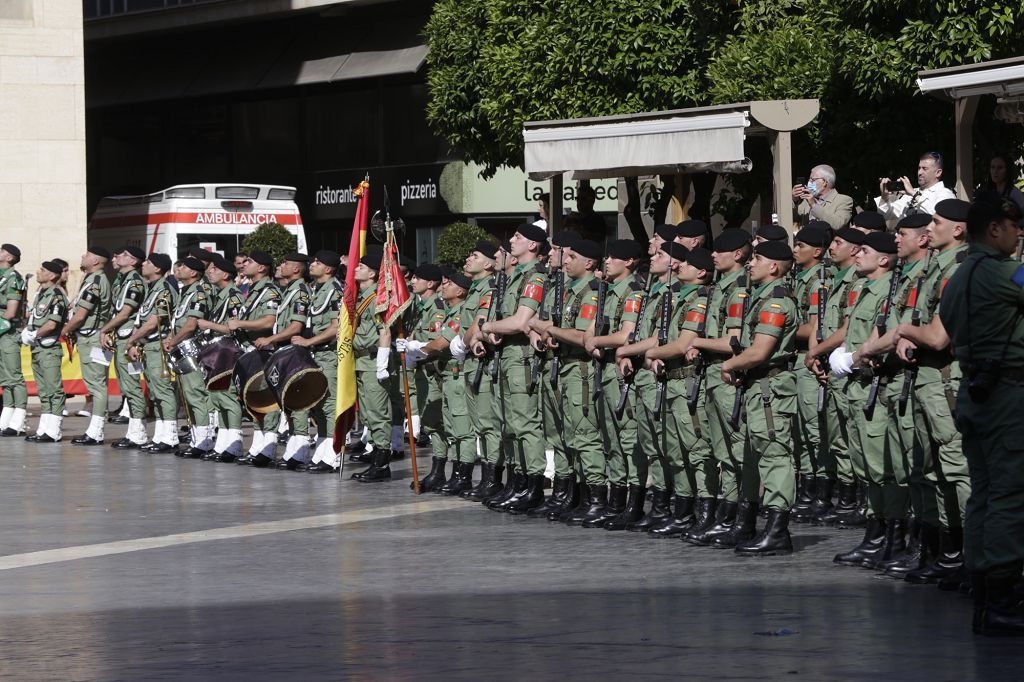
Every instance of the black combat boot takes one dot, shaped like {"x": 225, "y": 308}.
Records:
{"x": 533, "y": 497}
{"x": 874, "y": 537}
{"x": 633, "y": 512}
{"x": 895, "y": 542}
{"x": 703, "y": 521}
{"x": 615, "y": 505}
{"x": 846, "y": 503}
{"x": 464, "y": 481}
{"x": 380, "y": 470}
{"x": 359, "y": 475}
{"x": 511, "y": 486}
{"x": 857, "y": 516}
{"x": 742, "y": 529}
{"x": 486, "y": 472}
{"x": 435, "y": 477}
{"x": 822, "y": 503}
{"x": 725, "y": 516}
{"x": 805, "y": 491}
{"x": 595, "y": 508}
{"x": 556, "y": 501}
{"x": 446, "y": 487}
{"x": 948, "y": 562}
{"x": 911, "y": 547}
{"x": 517, "y": 489}
{"x": 660, "y": 513}
{"x": 682, "y": 519}
{"x": 490, "y": 485}
{"x": 919, "y": 553}
{"x": 579, "y": 496}
{"x": 773, "y": 540}
{"x": 1003, "y": 614}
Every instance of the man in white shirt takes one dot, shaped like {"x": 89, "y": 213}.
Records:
{"x": 907, "y": 201}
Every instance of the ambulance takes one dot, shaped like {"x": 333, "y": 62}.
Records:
{"x": 215, "y": 217}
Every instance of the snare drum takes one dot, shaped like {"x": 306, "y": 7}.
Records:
{"x": 184, "y": 358}
{"x": 217, "y": 360}
{"x": 251, "y": 385}
{"x": 296, "y": 380}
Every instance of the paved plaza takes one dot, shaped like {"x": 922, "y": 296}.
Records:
{"x": 129, "y": 566}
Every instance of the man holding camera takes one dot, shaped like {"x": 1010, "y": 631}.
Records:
{"x": 898, "y": 198}
{"x": 818, "y": 199}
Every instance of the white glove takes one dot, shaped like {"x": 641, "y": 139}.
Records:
{"x": 412, "y": 346}
{"x": 28, "y": 337}
{"x": 458, "y": 348}
{"x": 383, "y": 354}
{"x": 382, "y": 374}
{"x": 840, "y": 362}
{"x": 401, "y": 344}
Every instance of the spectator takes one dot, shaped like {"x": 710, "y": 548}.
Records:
{"x": 819, "y": 199}
{"x": 1000, "y": 179}
{"x": 897, "y": 202}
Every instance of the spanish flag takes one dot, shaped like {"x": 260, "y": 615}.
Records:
{"x": 345, "y": 406}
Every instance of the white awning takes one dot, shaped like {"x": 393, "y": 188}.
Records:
{"x": 1004, "y": 77}
{"x": 643, "y": 147}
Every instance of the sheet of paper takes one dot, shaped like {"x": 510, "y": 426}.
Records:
{"x": 100, "y": 356}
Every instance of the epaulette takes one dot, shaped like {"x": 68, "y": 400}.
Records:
{"x": 780, "y": 291}
{"x": 704, "y": 290}
{"x": 741, "y": 281}
{"x": 541, "y": 269}
{"x": 961, "y": 257}
{"x": 336, "y": 283}
{"x": 636, "y": 285}
{"x": 439, "y": 303}
{"x": 677, "y": 287}
{"x": 595, "y": 284}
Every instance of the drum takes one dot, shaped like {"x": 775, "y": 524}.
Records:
{"x": 296, "y": 380}
{"x": 251, "y": 385}
{"x": 184, "y": 358}
{"x": 217, "y": 360}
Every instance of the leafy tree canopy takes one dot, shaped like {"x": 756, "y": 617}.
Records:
{"x": 273, "y": 238}
{"x": 456, "y": 242}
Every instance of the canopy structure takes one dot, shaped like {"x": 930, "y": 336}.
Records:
{"x": 669, "y": 142}
{"x": 964, "y": 85}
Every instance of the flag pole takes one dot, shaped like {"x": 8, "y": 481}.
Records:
{"x": 408, "y": 414}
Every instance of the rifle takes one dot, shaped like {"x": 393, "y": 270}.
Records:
{"x": 600, "y": 329}
{"x": 538, "y": 356}
{"x": 479, "y": 375}
{"x": 700, "y": 365}
{"x": 499, "y": 293}
{"x": 737, "y": 348}
{"x": 819, "y": 332}
{"x": 665, "y": 316}
{"x": 881, "y": 322}
{"x": 910, "y": 372}
{"x": 633, "y": 336}
{"x": 556, "y": 318}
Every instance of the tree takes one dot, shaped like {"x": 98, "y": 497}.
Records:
{"x": 456, "y": 241}
{"x": 273, "y": 238}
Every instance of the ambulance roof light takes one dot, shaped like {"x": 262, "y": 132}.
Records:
{"x": 186, "y": 193}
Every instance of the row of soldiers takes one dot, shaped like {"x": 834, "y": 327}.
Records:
{"x": 138, "y": 320}
{"x": 725, "y": 381}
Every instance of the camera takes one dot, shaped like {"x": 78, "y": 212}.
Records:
{"x": 894, "y": 186}
{"x": 982, "y": 377}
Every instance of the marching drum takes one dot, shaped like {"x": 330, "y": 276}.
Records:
{"x": 184, "y": 358}
{"x": 251, "y": 384}
{"x": 217, "y": 360}
{"x": 295, "y": 379}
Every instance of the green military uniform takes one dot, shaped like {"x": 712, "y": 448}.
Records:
{"x": 651, "y": 435}
{"x": 482, "y": 404}
{"x": 429, "y": 397}
{"x": 323, "y": 312}
{"x": 12, "y": 380}
{"x": 458, "y": 428}
{"x": 372, "y": 395}
{"x": 94, "y": 298}
{"x": 770, "y": 396}
{"x": 161, "y": 298}
{"x": 836, "y": 463}
{"x": 227, "y": 304}
{"x": 50, "y": 305}
{"x": 934, "y": 396}
{"x": 982, "y": 309}
{"x": 129, "y": 289}
{"x": 551, "y": 403}
{"x": 263, "y": 299}
{"x": 294, "y": 307}
{"x": 810, "y": 441}
{"x": 521, "y": 408}
{"x": 193, "y": 303}
{"x": 726, "y": 442}
{"x": 625, "y": 466}
{"x": 867, "y": 434}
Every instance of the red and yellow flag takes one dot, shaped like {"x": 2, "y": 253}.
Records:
{"x": 345, "y": 406}
{"x": 392, "y": 291}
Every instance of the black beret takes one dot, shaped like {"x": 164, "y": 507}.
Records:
{"x": 692, "y": 228}
{"x": 869, "y": 220}
{"x": 372, "y": 259}
{"x": 60, "y": 261}
{"x": 55, "y": 268}
{"x": 953, "y": 209}
{"x": 624, "y": 249}
{"x": 915, "y": 221}
{"x": 587, "y": 248}
{"x": 428, "y": 272}
{"x": 461, "y": 280}
{"x": 201, "y": 254}
{"x": 329, "y": 258}
{"x": 675, "y": 250}
{"x": 812, "y": 235}
{"x": 486, "y": 248}
{"x": 506, "y": 246}
{"x": 701, "y": 259}
{"x": 774, "y": 233}
{"x": 666, "y": 232}
{"x": 730, "y": 240}
{"x": 296, "y": 257}
{"x": 774, "y": 250}
{"x": 565, "y": 238}
{"x": 161, "y": 261}
{"x": 223, "y": 264}
{"x": 11, "y": 249}
{"x": 99, "y": 251}
{"x": 445, "y": 271}
{"x": 533, "y": 232}
{"x": 262, "y": 257}
{"x": 850, "y": 235}
{"x": 883, "y": 242}
{"x": 194, "y": 264}
{"x": 135, "y": 252}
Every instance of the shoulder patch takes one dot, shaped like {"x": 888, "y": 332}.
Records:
{"x": 779, "y": 291}
{"x": 595, "y": 284}
{"x": 962, "y": 256}
{"x": 439, "y": 304}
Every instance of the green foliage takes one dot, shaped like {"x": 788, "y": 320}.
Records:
{"x": 273, "y": 238}
{"x": 456, "y": 242}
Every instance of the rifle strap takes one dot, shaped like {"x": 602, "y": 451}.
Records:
{"x": 766, "y": 398}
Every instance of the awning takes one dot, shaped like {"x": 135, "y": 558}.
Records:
{"x": 636, "y": 147}
{"x": 1004, "y": 78}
